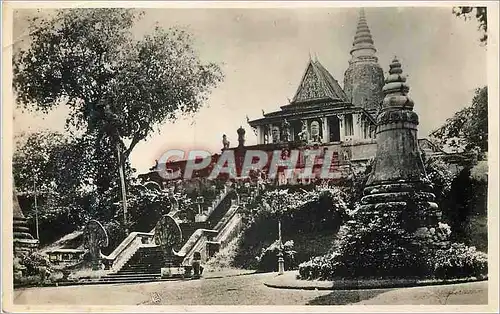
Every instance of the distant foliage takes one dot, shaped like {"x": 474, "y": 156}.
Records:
{"x": 73, "y": 183}
{"x": 467, "y": 130}
{"x": 467, "y": 205}
{"x": 479, "y": 172}
{"x": 146, "y": 207}
{"x": 439, "y": 174}
{"x": 481, "y": 15}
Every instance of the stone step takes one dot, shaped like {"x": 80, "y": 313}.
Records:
{"x": 155, "y": 261}
{"x": 128, "y": 280}
{"x": 132, "y": 269}
{"x": 144, "y": 265}
{"x": 123, "y": 281}
{"x": 140, "y": 270}
{"x": 132, "y": 276}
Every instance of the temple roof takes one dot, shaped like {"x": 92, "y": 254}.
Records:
{"x": 317, "y": 84}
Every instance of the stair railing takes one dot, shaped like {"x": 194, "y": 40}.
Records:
{"x": 195, "y": 241}
{"x": 216, "y": 202}
{"x": 231, "y": 230}
{"x": 127, "y": 248}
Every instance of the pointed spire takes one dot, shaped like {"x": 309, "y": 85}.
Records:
{"x": 362, "y": 45}
{"x": 395, "y": 88}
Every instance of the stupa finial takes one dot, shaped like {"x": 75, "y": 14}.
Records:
{"x": 395, "y": 88}
{"x": 363, "y": 41}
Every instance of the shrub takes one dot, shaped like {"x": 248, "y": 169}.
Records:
{"x": 317, "y": 213}
{"x": 31, "y": 269}
{"x": 33, "y": 262}
{"x": 411, "y": 260}
{"x": 224, "y": 258}
{"x": 459, "y": 261}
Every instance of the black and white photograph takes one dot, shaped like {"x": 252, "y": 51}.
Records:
{"x": 257, "y": 156}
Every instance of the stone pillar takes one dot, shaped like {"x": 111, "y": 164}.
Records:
{"x": 342, "y": 128}
{"x": 355, "y": 127}
{"x": 260, "y": 134}
{"x": 326, "y": 130}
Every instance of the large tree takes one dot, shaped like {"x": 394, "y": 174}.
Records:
{"x": 117, "y": 88}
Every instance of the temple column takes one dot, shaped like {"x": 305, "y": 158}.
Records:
{"x": 355, "y": 126}
{"x": 271, "y": 138}
{"x": 342, "y": 128}
{"x": 260, "y": 134}
{"x": 326, "y": 130}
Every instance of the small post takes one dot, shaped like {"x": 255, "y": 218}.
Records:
{"x": 281, "y": 260}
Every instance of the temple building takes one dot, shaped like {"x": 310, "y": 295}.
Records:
{"x": 322, "y": 115}
{"x": 321, "y": 111}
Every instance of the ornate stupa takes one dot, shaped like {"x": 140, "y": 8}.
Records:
{"x": 382, "y": 239}
{"x": 23, "y": 240}
{"x": 364, "y": 78}
{"x": 398, "y": 166}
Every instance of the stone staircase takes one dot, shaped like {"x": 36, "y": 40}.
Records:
{"x": 144, "y": 266}
{"x": 138, "y": 259}
{"x": 217, "y": 237}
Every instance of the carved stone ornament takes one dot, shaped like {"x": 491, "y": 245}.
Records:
{"x": 95, "y": 238}
{"x": 168, "y": 234}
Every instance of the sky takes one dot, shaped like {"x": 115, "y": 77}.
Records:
{"x": 264, "y": 52}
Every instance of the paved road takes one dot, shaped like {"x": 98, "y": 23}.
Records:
{"x": 240, "y": 290}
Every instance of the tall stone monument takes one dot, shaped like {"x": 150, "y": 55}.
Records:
{"x": 382, "y": 238}
{"x": 398, "y": 175}
{"x": 364, "y": 78}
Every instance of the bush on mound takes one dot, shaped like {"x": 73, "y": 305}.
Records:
{"x": 267, "y": 261}
{"x": 374, "y": 252}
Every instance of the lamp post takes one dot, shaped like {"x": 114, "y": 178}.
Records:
{"x": 36, "y": 208}
{"x": 281, "y": 260}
